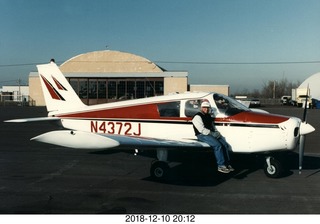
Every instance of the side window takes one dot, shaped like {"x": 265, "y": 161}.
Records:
{"x": 192, "y": 107}
{"x": 171, "y": 109}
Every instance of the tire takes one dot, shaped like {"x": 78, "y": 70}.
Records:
{"x": 275, "y": 170}
{"x": 159, "y": 170}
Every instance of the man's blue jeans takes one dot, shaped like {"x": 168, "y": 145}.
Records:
{"x": 219, "y": 146}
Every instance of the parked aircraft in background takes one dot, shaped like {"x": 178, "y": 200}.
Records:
{"x": 163, "y": 123}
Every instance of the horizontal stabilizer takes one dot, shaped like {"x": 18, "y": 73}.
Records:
{"x": 77, "y": 139}
{"x": 22, "y": 120}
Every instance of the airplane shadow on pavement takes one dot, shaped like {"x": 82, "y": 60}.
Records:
{"x": 198, "y": 168}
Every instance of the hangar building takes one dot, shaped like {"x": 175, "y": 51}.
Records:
{"x": 108, "y": 76}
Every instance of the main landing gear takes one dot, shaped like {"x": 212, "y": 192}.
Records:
{"x": 159, "y": 168}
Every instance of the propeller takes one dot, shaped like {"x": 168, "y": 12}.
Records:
{"x": 301, "y": 151}
{"x": 303, "y": 131}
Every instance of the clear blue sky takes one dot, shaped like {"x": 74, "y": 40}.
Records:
{"x": 215, "y": 31}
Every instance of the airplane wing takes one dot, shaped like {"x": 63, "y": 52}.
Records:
{"x": 36, "y": 119}
{"x": 87, "y": 140}
{"x": 154, "y": 142}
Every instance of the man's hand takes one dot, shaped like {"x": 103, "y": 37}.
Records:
{"x": 216, "y": 134}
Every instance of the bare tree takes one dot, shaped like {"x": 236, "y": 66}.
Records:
{"x": 268, "y": 89}
{"x": 276, "y": 89}
{"x": 271, "y": 89}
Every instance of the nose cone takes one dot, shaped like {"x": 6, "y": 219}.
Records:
{"x": 306, "y": 128}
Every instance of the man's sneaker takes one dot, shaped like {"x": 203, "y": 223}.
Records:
{"x": 223, "y": 169}
{"x": 230, "y": 168}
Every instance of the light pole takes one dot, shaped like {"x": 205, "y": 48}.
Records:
{"x": 274, "y": 89}
{"x": 19, "y": 92}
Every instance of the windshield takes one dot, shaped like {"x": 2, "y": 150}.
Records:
{"x": 227, "y": 105}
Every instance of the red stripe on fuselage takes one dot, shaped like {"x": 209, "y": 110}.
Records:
{"x": 150, "y": 111}
{"x": 253, "y": 117}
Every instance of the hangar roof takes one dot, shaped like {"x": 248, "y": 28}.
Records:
{"x": 108, "y": 62}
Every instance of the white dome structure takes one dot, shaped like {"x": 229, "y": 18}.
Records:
{"x": 314, "y": 83}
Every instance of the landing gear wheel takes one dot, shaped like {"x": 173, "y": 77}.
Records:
{"x": 159, "y": 170}
{"x": 274, "y": 169}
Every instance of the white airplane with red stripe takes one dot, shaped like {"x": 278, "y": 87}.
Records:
{"x": 163, "y": 123}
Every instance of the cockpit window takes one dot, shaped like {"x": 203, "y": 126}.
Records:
{"x": 227, "y": 105}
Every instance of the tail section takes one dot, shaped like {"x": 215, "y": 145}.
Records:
{"x": 58, "y": 93}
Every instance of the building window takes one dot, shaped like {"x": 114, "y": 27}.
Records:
{"x": 158, "y": 88}
{"x": 109, "y": 90}
{"x": 150, "y": 90}
{"x": 112, "y": 90}
{"x": 122, "y": 90}
{"x": 140, "y": 89}
{"x": 83, "y": 88}
{"x": 74, "y": 84}
{"x": 131, "y": 88}
{"x": 92, "y": 93}
{"x": 102, "y": 89}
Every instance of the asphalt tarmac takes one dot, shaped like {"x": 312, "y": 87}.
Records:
{"x": 38, "y": 178}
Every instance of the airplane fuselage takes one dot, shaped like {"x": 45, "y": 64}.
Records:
{"x": 170, "y": 118}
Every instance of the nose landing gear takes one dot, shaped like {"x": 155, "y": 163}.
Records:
{"x": 273, "y": 167}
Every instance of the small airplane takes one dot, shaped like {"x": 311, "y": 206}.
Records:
{"x": 163, "y": 123}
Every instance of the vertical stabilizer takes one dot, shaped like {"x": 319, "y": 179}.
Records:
{"x": 58, "y": 93}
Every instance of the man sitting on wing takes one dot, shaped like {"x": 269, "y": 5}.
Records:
{"x": 205, "y": 131}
